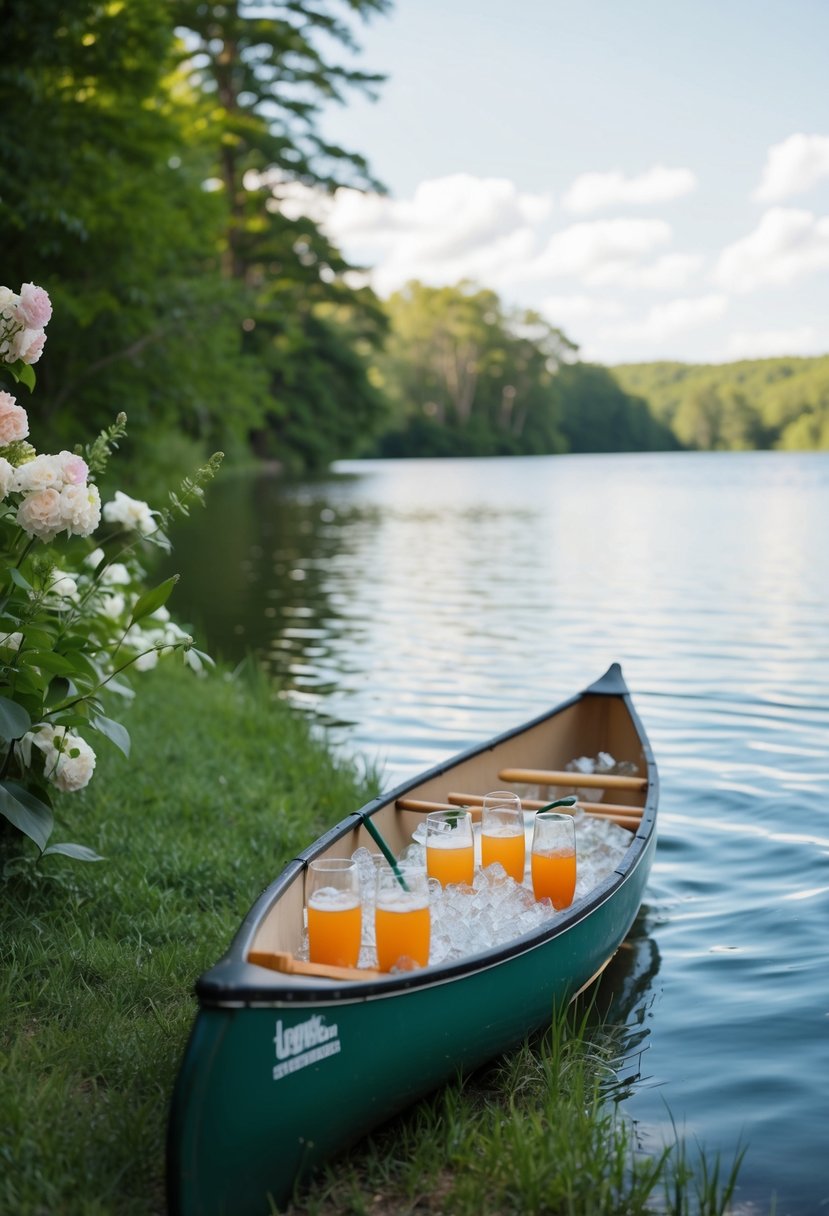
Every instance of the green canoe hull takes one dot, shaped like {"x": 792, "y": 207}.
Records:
{"x": 249, "y": 1137}
{"x": 277, "y": 1078}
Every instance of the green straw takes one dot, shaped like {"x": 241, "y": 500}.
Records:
{"x": 570, "y": 800}
{"x": 374, "y": 832}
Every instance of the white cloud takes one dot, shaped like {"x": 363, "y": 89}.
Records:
{"x": 451, "y": 228}
{"x": 786, "y": 245}
{"x": 565, "y": 310}
{"x": 593, "y": 191}
{"x": 765, "y": 344}
{"x": 601, "y": 251}
{"x": 668, "y": 320}
{"x": 668, "y": 273}
{"x": 792, "y": 167}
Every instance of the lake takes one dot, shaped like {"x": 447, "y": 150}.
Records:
{"x": 416, "y": 607}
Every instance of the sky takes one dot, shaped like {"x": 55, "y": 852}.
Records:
{"x": 651, "y": 175}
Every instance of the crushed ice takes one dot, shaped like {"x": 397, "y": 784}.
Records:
{"x": 495, "y": 909}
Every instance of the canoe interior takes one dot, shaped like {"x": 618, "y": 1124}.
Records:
{"x": 590, "y": 724}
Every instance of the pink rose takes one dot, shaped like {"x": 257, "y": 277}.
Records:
{"x": 34, "y": 307}
{"x": 74, "y": 469}
{"x": 14, "y": 421}
{"x": 28, "y": 345}
{"x": 41, "y": 514}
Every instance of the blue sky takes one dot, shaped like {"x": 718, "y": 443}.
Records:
{"x": 653, "y": 176}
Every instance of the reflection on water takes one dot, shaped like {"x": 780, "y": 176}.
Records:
{"x": 417, "y": 607}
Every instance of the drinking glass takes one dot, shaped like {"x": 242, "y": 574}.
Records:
{"x": 402, "y": 922}
{"x": 332, "y": 893}
{"x": 554, "y": 858}
{"x": 502, "y": 833}
{"x": 450, "y": 855}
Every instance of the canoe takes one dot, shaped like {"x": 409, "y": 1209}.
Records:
{"x": 284, "y": 1069}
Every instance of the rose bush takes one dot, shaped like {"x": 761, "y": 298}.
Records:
{"x": 76, "y": 616}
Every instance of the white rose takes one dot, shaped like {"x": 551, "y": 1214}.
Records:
{"x": 67, "y": 771}
{"x": 6, "y": 477}
{"x": 116, "y": 575}
{"x": 42, "y": 736}
{"x": 113, "y": 605}
{"x": 41, "y": 514}
{"x": 131, "y": 512}
{"x": 81, "y": 506}
{"x": 64, "y": 587}
{"x": 95, "y": 558}
{"x": 42, "y": 473}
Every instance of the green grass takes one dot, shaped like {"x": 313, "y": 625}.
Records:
{"x": 99, "y": 960}
{"x": 538, "y": 1132}
{"x": 224, "y": 785}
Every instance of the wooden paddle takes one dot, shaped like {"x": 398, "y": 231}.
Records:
{"x": 282, "y": 960}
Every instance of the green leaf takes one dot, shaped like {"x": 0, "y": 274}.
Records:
{"x": 153, "y": 599}
{"x": 24, "y": 373}
{"x": 49, "y": 660}
{"x": 33, "y": 817}
{"x": 14, "y": 721}
{"x": 17, "y": 578}
{"x": 59, "y": 689}
{"x": 114, "y": 731}
{"x": 40, "y": 638}
{"x": 80, "y": 852}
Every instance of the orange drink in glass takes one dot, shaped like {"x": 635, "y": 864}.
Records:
{"x": 334, "y": 911}
{"x": 402, "y": 921}
{"x": 553, "y": 858}
{"x": 502, "y": 833}
{"x": 450, "y": 854}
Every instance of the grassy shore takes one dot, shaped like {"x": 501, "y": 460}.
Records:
{"x": 224, "y": 785}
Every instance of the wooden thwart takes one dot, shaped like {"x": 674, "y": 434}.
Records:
{"x": 278, "y": 960}
{"x": 626, "y": 816}
{"x": 540, "y": 776}
{"x": 475, "y": 802}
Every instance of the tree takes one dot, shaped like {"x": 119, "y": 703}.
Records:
{"x": 103, "y": 204}
{"x": 457, "y": 362}
{"x": 265, "y": 70}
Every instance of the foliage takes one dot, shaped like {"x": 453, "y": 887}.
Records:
{"x": 760, "y": 403}
{"x": 134, "y": 114}
{"x": 268, "y": 73}
{"x": 469, "y": 377}
{"x": 73, "y": 617}
{"x": 102, "y": 202}
{"x": 598, "y": 415}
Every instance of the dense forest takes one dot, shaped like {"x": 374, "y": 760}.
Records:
{"x": 757, "y": 403}
{"x": 146, "y": 153}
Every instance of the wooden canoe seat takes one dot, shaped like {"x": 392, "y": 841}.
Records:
{"x": 540, "y": 776}
{"x": 277, "y": 960}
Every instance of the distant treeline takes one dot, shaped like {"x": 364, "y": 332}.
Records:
{"x": 755, "y": 403}
{"x": 154, "y": 162}
{"x": 463, "y": 376}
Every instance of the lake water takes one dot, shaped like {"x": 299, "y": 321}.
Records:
{"x": 416, "y": 607}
